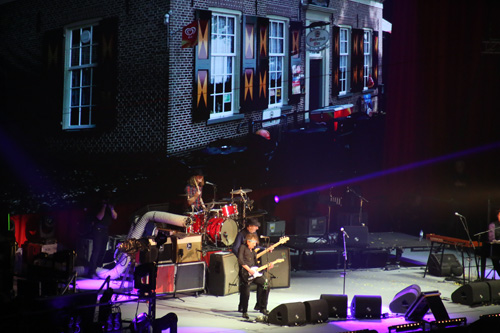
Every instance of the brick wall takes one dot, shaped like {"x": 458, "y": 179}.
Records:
{"x": 155, "y": 75}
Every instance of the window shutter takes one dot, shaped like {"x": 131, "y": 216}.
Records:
{"x": 295, "y": 62}
{"x": 53, "y": 78}
{"x": 357, "y": 60}
{"x": 249, "y": 64}
{"x": 335, "y": 61}
{"x": 375, "y": 58}
{"x": 106, "y": 72}
{"x": 262, "y": 63}
{"x": 203, "y": 86}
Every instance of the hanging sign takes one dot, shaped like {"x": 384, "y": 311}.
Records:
{"x": 317, "y": 39}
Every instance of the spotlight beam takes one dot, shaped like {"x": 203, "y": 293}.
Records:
{"x": 406, "y": 167}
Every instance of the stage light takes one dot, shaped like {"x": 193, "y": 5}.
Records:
{"x": 141, "y": 324}
{"x": 449, "y": 323}
{"x": 276, "y": 199}
{"x": 414, "y": 327}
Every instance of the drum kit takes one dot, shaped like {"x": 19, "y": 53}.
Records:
{"x": 221, "y": 220}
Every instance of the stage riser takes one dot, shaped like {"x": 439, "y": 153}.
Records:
{"x": 335, "y": 260}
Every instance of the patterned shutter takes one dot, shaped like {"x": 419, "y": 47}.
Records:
{"x": 335, "y": 61}
{"x": 295, "y": 63}
{"x": 53, "y": 79}
{"x": 375, "y": 58}
{"x": 203, "y": 87}
{"x": 357, "y": 60}
{"x": 106, "y": 37}
{"x": 262, "y": 63}
{"x": 248, "y": 64}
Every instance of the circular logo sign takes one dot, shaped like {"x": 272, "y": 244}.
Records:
{"x": 317, "y": 39}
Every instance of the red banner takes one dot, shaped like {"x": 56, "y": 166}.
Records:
{"x": 190, "y": 35}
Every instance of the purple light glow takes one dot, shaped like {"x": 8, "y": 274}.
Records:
{"x": 406, "y": 167}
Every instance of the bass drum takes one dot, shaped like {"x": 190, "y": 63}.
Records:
{"x": 222, "y": 231}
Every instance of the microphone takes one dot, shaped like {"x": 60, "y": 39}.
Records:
{"x": 345, "y": 233}
{"x": 209, "y": 183}
{"x": 457, "y": 214}
{"x": 262, "y": 236}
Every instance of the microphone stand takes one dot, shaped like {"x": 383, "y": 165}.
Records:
{"x": 361, "y": 200}
{"x": 466, "y": 228}
{"x": 345, "y": 259}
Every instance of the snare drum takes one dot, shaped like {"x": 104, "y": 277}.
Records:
{"x": 230, "y": 210}
{"x": 222, "y": 231}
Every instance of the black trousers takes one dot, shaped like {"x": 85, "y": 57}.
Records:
{"x": 262, "y": 293}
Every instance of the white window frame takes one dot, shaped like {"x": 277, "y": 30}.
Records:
{"x": 344, "y": 60}
{"x": 223, "y": 54}
{"x": 80, "y": 61}
{"x": 367, "y": 57}
{"x": 277, "y": 53}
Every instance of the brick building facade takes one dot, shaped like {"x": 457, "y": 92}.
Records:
{"x": 143, "y": 86}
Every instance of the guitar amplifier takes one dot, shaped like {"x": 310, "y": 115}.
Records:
{"x": 279, "y": 275}
{"x": 187, "y": 247}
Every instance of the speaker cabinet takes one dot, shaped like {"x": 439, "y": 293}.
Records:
{"x": 404, "y": 299}
{"x": 337, "y": 305}
{"x": 279, "y": 275}
{"x": 494, "y": 291}
{"x": 190, "y": 277}
{"x": 358, "y": 236}
{"x": 443, "y": 264}
{"x": 427, "y": 300}
{"x": 187, "y": 248}
{"x": 472, "y": 294}
{"x": 165, "y": 278}
{"x": 288, "y": 314}
{"x": 310, "y": 226}
{"x": 274, "y": 228}
{"x": 316, "y": 311}
{"x": 223, "y": 276}
{"x": 363, "y": 307}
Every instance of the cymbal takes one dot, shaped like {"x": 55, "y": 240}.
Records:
{"x": 183, "y": 195}
{"x": 216, "y": 203}
{"x": 241, "y": 190}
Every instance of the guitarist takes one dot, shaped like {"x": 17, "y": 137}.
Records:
{"x": 247, "y": 260}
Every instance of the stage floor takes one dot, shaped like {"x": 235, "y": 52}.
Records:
{"x": 209, "y": 314}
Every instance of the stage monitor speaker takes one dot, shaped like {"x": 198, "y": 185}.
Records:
{"x": 363, "y": 307}
{"x": 187, "y": 247}
{"x": 337, "y": 305}
{"x": 427, "y": 300}
{"x": 223, "y": 278}
{"x": 444, "y": 265}
{"x": 358, "y": 236}
{"x": 316, "y": 311}
{"x": 190, "y": 277}
{"x": 288, "y": 314}
{"x": 404, "y": 299}
{"x": 279, "y": 275}
{"x": 472, "y": 294}
{"x": 494, "y": 291}
{"x": 310, "y": 226}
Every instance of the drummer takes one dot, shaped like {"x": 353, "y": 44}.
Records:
{"x": 194, "y": 191}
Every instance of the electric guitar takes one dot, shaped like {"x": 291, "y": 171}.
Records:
{"x": 258, "y": 269}
{"x": 282, "y": 240}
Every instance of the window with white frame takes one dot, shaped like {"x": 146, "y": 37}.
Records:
{"x": 344, "y": 60}
{"x": 223, "y": 62}
{"x": 79, "y": 85}
{"x": 367, "y": 52}
{"x": 276, "y": 62}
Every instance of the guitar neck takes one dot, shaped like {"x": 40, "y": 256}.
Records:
{"x": 260, "y": 254}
